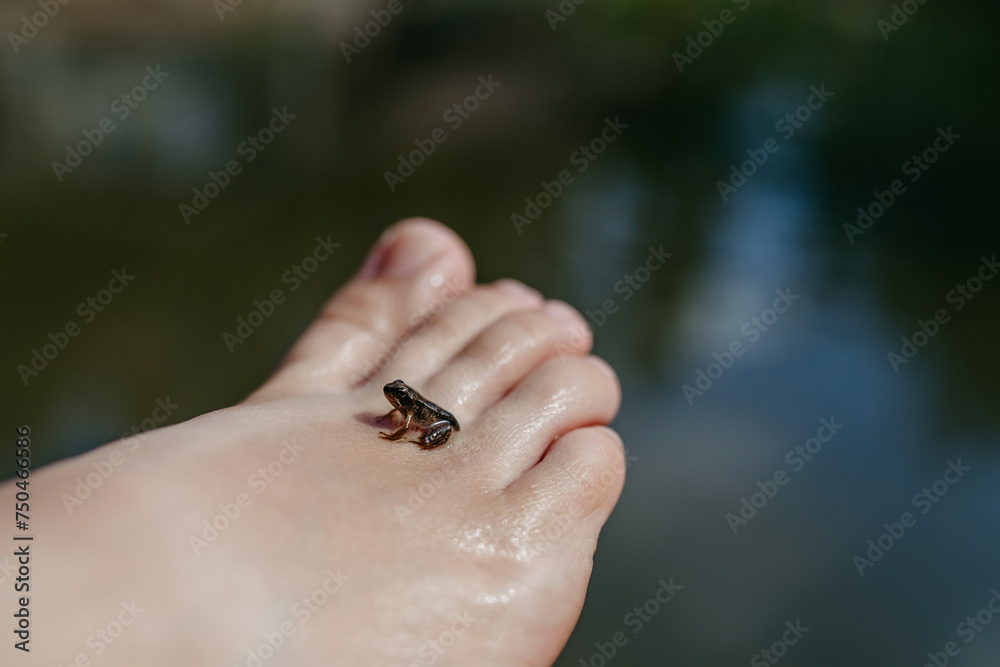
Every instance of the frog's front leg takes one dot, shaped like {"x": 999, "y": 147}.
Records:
{"x": 399, "y": 432}
{"x": 385, "y": 416}
{"x": 434, "y": 435}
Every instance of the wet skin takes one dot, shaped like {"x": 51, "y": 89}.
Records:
{"x": 418, "y": 413}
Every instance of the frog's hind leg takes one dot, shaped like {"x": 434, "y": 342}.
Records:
{"x": 435, "y": 436}
{"x": 395, "y": 435}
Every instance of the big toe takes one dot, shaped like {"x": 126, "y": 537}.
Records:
{"x": 412, "y": 272}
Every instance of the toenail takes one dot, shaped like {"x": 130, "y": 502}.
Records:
{"x": 409, "y": 254}
{"x": 560, "y": 311}
{"x": 373, "y": 263}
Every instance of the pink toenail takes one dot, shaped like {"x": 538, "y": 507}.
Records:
{"x": 373, "y": 263}
{"x": 409, "y": 254}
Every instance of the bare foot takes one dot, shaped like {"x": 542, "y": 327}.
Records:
{"x": 283, "y": 531}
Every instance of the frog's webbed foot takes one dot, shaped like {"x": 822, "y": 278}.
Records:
{"x": 394, "y": 436}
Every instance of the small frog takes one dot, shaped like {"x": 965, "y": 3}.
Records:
{"x": 418, "y": 413}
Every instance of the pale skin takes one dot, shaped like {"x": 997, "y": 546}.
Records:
{"x": 477, "y": 552}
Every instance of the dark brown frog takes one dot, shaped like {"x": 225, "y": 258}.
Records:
{"x": 418, "y": 414}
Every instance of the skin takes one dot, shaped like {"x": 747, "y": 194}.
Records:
{"x": 477, "y": 553}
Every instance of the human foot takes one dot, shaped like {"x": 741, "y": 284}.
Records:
{"x": 283, "y": 531}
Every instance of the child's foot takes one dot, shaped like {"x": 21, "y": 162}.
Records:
{"x": 331, "y": 546}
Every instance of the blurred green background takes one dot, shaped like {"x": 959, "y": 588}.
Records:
{"x": 656, "y": 184}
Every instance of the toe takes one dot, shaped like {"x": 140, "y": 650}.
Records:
{"x": 560, "y": 395}
{"x": 503, "y": 353}
{"x": 433, "y": 345}
{"x": 415, "y": 269}
{"x": 578, "y": 481}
